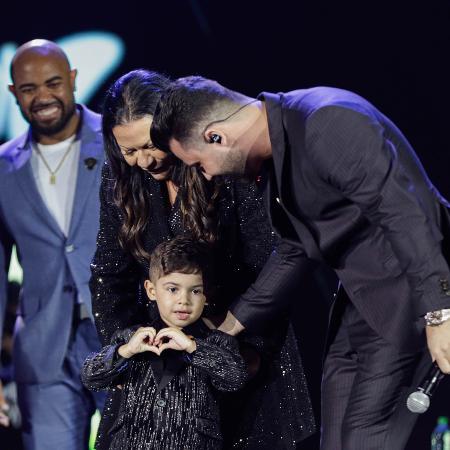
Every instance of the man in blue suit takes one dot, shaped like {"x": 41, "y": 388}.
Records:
{"x": 49, "y": 206}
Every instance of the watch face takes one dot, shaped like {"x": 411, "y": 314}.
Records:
{"x": 434, "y": 318}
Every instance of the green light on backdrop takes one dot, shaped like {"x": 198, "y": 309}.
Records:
{"x": 15, "y": 271}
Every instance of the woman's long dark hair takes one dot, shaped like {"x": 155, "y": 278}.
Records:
{"x": 132, "y": 97}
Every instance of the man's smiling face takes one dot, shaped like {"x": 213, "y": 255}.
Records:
{"x": 44, "y": 89}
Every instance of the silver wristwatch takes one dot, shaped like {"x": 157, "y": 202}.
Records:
{"x": 435, "y": 318}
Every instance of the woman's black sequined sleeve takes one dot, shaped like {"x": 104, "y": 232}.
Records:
{"x": 114, "y": 279}
{"x": 219, "y": 356}
{"x": 255, "y": 236}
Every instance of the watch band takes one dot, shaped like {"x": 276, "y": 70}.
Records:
{"x": 436, "y": 318}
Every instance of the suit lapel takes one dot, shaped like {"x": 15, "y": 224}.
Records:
{"x": 279, "y": 143}
{"x": 27, "y": 184}
{"x": 89, "y": 166}
{"x": 276, "y": 132}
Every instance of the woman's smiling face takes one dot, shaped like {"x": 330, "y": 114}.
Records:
{"x": 134, "y": 141}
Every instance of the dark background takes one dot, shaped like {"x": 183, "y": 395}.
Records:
{"x": 393, "y": 53}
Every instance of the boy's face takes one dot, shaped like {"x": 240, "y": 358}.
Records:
{"x": 179, "y": 297}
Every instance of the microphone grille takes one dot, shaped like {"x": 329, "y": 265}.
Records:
{"x": 418, "y": 402}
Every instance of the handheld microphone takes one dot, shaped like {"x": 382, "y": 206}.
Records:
{"x": 419, "y": 401}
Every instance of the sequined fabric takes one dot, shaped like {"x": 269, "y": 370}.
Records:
{"x": 271, "y": 401}
{"x": 170, "y": 401}
{"x": 275, "y": 406}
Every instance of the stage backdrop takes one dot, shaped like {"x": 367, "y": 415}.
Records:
{"x": 394, "y": 53}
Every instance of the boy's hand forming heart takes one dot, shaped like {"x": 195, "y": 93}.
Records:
{"x": 141, "y": 341}
{"x": 175, "y": 339}
{"x": 145, "y": 339}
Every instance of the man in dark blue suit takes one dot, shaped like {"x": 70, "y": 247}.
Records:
{"x": 343, "y": 186}
{"x": 49, "y": 207}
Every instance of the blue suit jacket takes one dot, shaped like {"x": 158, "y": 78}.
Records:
{"x": 55, "y": 267}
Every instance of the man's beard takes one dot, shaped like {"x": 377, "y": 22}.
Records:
{"x": 54, "y": 128}
{"x": 235, "y": 163}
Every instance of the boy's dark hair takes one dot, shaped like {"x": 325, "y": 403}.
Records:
{"x": 183, "y": 254}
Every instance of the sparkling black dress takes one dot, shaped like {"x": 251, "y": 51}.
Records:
{"x": 274, "y": 410}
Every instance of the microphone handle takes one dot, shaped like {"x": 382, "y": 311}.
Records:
{"x": 433, "y": 380}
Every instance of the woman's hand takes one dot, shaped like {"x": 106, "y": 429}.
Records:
{"x": 143, "y": 340}
{"x": 175, "y": 339}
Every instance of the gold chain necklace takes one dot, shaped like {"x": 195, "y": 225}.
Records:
{"x": 53, "y": 172}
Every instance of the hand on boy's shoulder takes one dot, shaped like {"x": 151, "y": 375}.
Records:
{"x": 210, "y": 323}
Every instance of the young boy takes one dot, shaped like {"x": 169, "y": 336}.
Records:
{"x": 172, "y": 369}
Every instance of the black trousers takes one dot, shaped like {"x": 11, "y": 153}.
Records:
{"x": 365, "y": 384}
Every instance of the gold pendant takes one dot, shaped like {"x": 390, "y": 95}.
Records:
{"x": 52, "y": 178}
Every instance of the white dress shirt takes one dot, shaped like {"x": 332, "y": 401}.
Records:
{"x": 58, "y": 197}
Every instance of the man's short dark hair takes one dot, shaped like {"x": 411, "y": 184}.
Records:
{"x": 186, "y": 106}
{"x": 183, "y": 254}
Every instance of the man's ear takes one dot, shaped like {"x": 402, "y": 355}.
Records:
{"x": 73, "y": 76}
{"x": 214, "y": 136}
{"x": 150, "y": 289}
{"x": 12, "y": 89}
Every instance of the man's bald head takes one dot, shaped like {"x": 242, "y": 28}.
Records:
{"x": 37, "y": 48}
{"x": 44, "y": 85}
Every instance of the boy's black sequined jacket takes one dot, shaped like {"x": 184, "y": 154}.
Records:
{"x": 168, "y": 401}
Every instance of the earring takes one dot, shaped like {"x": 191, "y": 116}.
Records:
{"x": 215, "y": 139}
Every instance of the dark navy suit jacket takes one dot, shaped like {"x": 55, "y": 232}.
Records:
{"x": 345, "y": 187}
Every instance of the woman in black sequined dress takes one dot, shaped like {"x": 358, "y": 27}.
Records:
{"x": 148, "y": 197}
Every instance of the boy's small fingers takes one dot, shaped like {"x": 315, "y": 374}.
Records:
{"x": 165, "y": 332}
{"x": 145, "y": 330}
{"x": 141, "y": 329}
